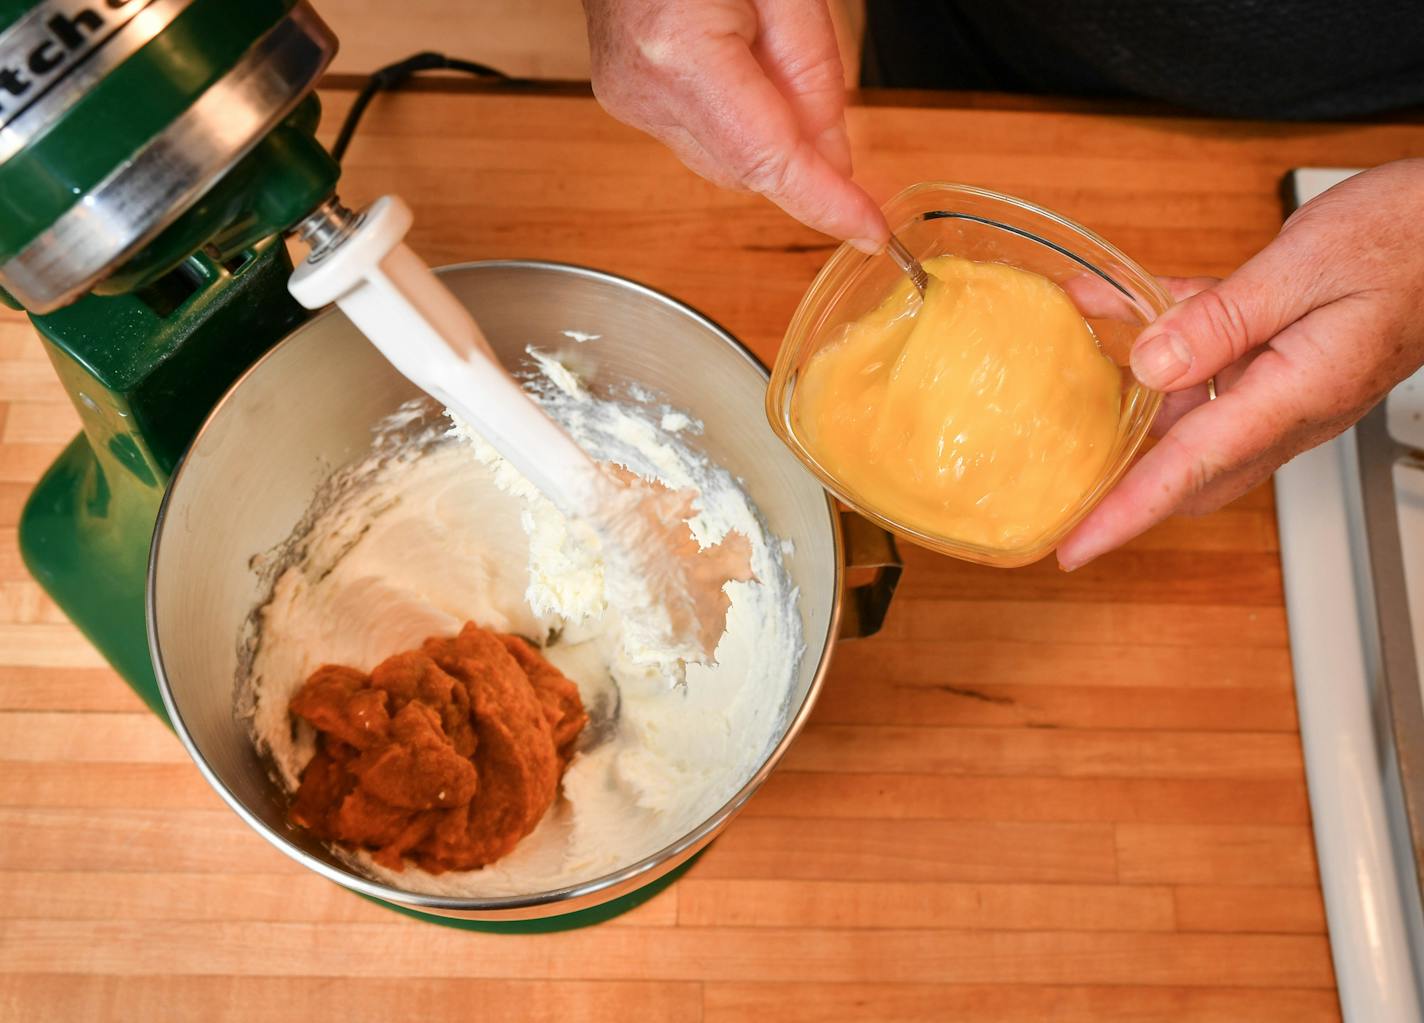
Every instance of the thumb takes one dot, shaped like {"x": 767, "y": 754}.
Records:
{"x": 1201, "y": 336}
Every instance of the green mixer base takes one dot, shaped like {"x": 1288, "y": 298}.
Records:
{"x": 90, "y": 554}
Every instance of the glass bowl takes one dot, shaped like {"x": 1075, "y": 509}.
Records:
{"x": 1115, "y": 295}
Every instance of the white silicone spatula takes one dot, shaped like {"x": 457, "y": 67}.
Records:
{"x": 361, "y": 263}
{"x": 393, "y": 298}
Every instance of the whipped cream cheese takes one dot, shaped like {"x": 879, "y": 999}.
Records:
{"x": 436, "y": 529}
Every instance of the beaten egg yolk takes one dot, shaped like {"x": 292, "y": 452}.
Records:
{"x": 982, "y": 413}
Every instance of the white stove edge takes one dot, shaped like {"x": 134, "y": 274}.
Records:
{"x": 1357, "y": 809}
{"x": 1366, "y": 869}
{"x": 1361, "y": 839}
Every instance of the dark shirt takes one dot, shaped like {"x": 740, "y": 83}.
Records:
{"x": 1297, "y": 59}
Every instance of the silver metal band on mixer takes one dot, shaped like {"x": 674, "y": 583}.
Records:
{"x": 168, "y": 174}
{"x": 131, "y": 29}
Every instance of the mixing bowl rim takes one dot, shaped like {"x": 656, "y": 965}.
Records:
{"x": 584, "y": 893}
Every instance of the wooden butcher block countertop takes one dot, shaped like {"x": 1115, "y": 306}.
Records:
{"x": 1034, "y": 795}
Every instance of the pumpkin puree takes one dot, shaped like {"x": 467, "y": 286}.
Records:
{"x": 445, "y": 756}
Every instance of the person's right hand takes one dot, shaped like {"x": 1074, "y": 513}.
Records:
{"x": 748, "y": 93}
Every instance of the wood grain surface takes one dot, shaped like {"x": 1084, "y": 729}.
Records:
{"x": 1035, "y": 795}
{"x": 544, "y": 39}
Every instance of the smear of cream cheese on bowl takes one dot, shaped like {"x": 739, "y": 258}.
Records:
{"x": 434, "y": 528}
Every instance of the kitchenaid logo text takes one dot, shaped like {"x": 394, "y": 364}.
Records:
{"x": 53, "y": 40}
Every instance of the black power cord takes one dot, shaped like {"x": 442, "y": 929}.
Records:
{"x": 393, "y": 76}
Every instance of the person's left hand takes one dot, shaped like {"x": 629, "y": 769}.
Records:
{"x": 1304, "y": 339}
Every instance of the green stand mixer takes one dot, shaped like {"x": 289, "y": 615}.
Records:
{"x": 153, "y": 155}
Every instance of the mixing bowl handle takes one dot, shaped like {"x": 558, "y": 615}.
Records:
{"x": 873, "y": 569}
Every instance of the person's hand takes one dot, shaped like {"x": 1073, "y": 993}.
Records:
{"x": 748, "y": 93}
{"x": 1303, "y": 340}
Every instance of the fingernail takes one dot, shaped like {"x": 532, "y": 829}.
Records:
{"x": 1160, "y": 360}
{"x": 865, "y": 245}
{"x": 1073, "y": 556}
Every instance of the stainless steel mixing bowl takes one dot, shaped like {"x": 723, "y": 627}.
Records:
{"x": 307, "y": 409}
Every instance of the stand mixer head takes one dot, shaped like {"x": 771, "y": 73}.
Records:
{"x": 135, "y": 134}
